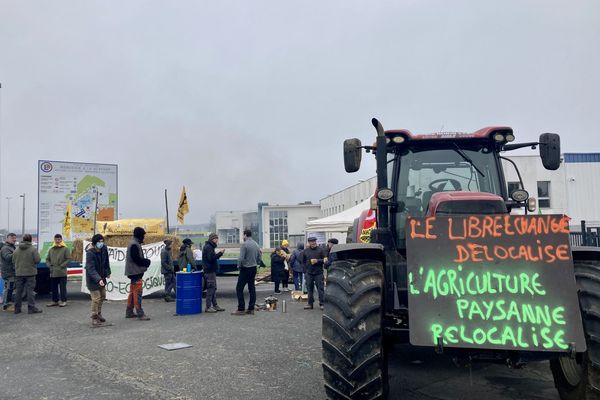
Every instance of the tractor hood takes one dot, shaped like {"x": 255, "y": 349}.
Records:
{"x": 465, "y": 203}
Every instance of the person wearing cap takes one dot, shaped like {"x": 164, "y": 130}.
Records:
{"x": 97, "y": 271}
{"x": 59, "y": 256}
{"x": 25, "y": 259}
{"x": 186, "y": 255}
{"x": 210, "y": 264}
{"x": 313, "y": 258}
{"x": 167, "y": 269}
{"x": 135, "y": 267}
{"x": 330, "y": 257}
{"x": 285, "y": 248}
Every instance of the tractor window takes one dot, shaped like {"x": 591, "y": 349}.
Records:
{"x": 425, "y": 171}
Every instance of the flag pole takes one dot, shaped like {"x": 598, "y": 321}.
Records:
{"x": 167, "y": 209}
{"x": 95, "y": 211}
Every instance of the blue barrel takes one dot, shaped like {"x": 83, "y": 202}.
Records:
{"x": 189, "y": 293}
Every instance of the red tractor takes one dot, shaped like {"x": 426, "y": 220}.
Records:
{"x": 454, "y": 262}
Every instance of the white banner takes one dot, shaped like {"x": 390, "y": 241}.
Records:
{"x": 117, "y": 287}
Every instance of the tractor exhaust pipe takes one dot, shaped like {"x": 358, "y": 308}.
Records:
{"x": 382, "y": 178}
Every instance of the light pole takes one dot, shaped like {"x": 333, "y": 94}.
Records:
{"x": 8, "y": 214}
{"x": 23, "y": 222}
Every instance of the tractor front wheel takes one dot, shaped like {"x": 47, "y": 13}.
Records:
{"x": 354, "y": 361}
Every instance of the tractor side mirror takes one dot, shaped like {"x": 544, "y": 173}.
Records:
{"x": 550, "y": 150}
{"x": 352, "y": 154}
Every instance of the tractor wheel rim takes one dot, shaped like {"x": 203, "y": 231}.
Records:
{"x": 571, "y": 370}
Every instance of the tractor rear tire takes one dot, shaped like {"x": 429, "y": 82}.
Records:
{"x": 580, "y": 379}
{"x": 354, "y": 356}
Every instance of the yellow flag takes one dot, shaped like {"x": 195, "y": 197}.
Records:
{"x": 183, "y": 206}
{"x": 67, "y": 223}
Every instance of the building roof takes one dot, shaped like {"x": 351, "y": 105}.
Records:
{"x": 581, "y": 157}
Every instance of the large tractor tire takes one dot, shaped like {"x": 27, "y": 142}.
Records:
{"x": 354, "y": 361}
{"x": 579, "y": 379}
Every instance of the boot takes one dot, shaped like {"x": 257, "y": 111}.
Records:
{"x": 308, "y": 307}
{"x": 95, "y": 320}
{"x": 33, "y": 310}
{"x": 144, "y": 317}
{"x": 17, "y": 310}
{"x": 101, "y": 318}
{"x": 129, "y": 313}
{"x": 53, "y": 304}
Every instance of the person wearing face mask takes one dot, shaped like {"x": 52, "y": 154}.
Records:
{"x": 97, "y": 271}
{"x": 135, "y": 266}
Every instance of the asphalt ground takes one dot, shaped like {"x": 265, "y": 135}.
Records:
{"x": 271, "y": 355}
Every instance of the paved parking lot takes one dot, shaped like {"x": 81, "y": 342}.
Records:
{"x": 271, "y": 355}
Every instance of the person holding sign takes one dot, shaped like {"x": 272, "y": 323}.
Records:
{"x": 97, "y": 271}
{"x": 135, "y": 266}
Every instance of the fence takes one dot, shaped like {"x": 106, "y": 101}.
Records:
{"x": 589, "y": 236}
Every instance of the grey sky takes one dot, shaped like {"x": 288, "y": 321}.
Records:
{"x": 248, "y": 101}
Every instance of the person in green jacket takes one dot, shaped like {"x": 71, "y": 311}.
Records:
{"x": 186, "y": 255}
{"x": 59, "y": 256}
{"x": 25, "y": 258}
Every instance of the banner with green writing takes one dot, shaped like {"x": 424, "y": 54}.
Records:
{"x": 493, "y": 282}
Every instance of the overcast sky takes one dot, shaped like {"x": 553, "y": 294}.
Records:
{"x": 248, "y": 101}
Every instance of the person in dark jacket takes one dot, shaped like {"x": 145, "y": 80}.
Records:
{"x": 167, "y": 269}
{"x": 8, "y": 270}
{"x": 331, "y": 257}
{"x": 186, "y": 255}
{"x": 97, "y": 271}
{"x": 313, "y": 258}
{"x": 25, "y": 258}
{"x": 278, "y": 267}
{"x": 297, "y": 267}
{"x": 59, "y": 256}
{"x": 285, "y": 278}
{"x": 210, "y": 264}
{"x": 135, "y": 266}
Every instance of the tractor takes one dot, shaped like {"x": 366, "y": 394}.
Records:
{"x": 428, "y": 181}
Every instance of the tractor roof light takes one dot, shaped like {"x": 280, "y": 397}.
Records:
{"x": 498, "y": 137}
{"x": 398, "y": 139}
{"x": 510, "y": 137}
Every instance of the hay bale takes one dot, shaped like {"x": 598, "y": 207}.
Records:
{"x": 123, "y": 241}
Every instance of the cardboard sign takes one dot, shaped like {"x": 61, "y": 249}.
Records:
{"x": 493, "y": 282}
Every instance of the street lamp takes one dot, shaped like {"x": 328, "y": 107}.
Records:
{"x": 23, "y": 223}
{"x": 8, "y": 214}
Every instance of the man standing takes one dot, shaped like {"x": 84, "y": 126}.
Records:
{"x": 297, "y": 267}
{"x": 210, "y": 264}
{"x": 97, "y": 271}
{"x": 135, "y": 266}
{"x": 250, "y": 258}
{"x": 59, "y": 256}
{"x": 186, "y": 256}
{"x": 330, "y": 257}
{"x": 167, "y": 269}
{"x": 8, "y": 270}
{"x": 313, "y": 258}
{"x": 25, "y": 258}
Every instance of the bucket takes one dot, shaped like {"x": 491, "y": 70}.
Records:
{"x": 189, "y": 293}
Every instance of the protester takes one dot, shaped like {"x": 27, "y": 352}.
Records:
{"x": 59, "y": 256}
{"x": 97, "y": 271}
{"x": 297, "y": 267}
{"x": 285, "y": 247}
{"x": 135, "y": 266}
{"x": 8, "y": 270}
{"x": 25, "y": 258}
{"x": 167, "y": 269}
{"x": 210, "y": 264}
{"x": 250, "y": 258}
{"x": 186, "y": 256}
{"x": 277, "y": 267}
{"x": 331, "y": 257}
{"x": 313, "y": 258}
